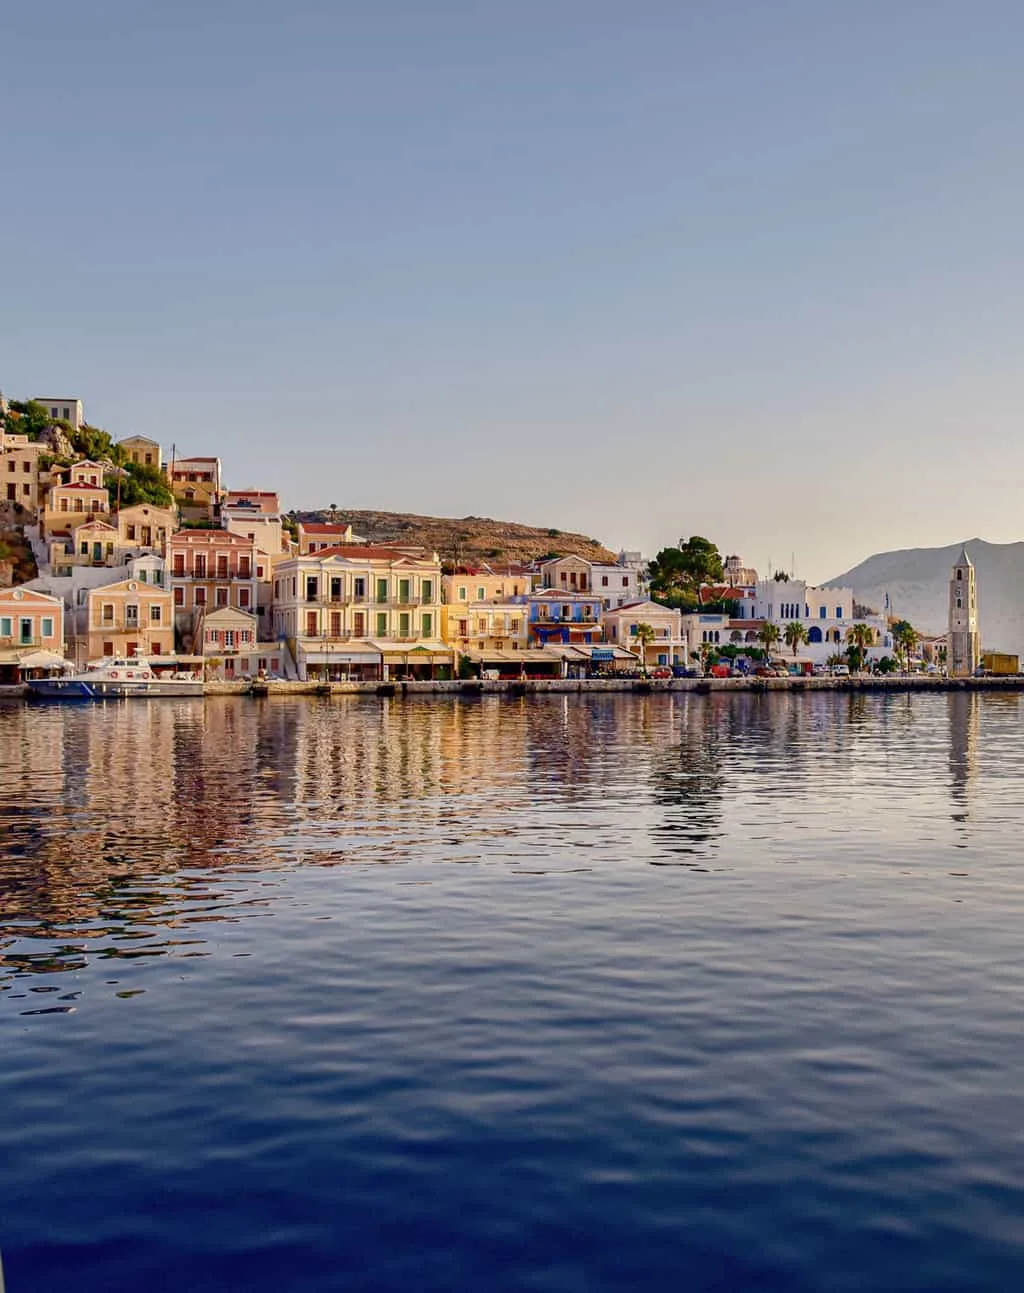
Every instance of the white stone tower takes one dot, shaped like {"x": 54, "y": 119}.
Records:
{"x": 963, "y": 652}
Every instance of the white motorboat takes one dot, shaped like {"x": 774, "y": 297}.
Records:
{"x": 118, "y": 678}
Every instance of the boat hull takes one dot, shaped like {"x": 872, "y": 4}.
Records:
{"x": 77, "y": 689}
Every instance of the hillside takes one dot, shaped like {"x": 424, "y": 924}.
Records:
{"x": 917, "y": 581}
{"x": 470, "y": 539}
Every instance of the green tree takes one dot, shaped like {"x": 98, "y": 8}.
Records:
{"x": 92, "y": 442}
{"x": 859, "y": 637}
{"x": 31, "y": 418}
{"x": 905, "y": 638}
{"x": 676, "y": 574}
{"x": 141, "y": 485}
{"x": 769, "y": 635}
{"x": 645, "y": 635}
{"x": 795, "y": 635}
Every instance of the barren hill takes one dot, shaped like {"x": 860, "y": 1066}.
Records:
{"x": 469, "y": 539}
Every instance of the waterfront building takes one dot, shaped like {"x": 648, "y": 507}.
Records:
{"x": 470, "y": 585}
{"x": 362, "y": 612}
{"x": 485, "y": 626}
{"x": 63, "y": 408}
{"x": 31, "y": 631}
{"x": 556, "y": 617}
{"x": 670, "y": 644}
{"x": 827, "y": 615}
{"x": 963, "y": 650}
{"x": 19, "y": 470}
{"x": 230, "y": 647}
{"x": 210, "y": 569}
{"x": 142, "y": 451}
{"x": 128, "y": 618}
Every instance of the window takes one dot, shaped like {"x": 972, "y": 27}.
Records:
{"x": 244, "y": 568}
{"x": 404, "y": 591}
{"x": 131, "y": 615}
{"x": 108, "y": 613}
{"x": 311, "y": 624}
{"x": 335, "y": 624}
{"x": 839, "y": 612}
{"x": 335, "y": 588}
{"x": 959, "y": 574}
{"x": 462, "y": 593}
{"x": 382, "y": 590}
{"x": 822, "y": 612}
{"x": 47, "y": 626}
{"x": 428, "y": 625}
{"x": 199, "y": 565}
{"x": 200, "y": 596}
{"x": 155, "y": 614}
{"x": 83, "y": 548}
{"x": 245, "y": 635}
{"x": 6, "y": 629}
{"x": 179, "y": 597}
{"x": 403, "y": 624}
{"x": 243, "y": 598}
{"x": 311, "y": 588}
{"x": 359, "y": 624}
{"x": 427, "y": 590}
{"x": 463, "y": 628}
{"x": 481, "y": 595}
{"x": 130, "y": 533}
{"x": 625, "y": 581}
{"x": 513, "y": 625}
{"x": 604, "y": 581}
{"x": 229, "y": 638}
{"x": 959, "y": 603}
{"x": 359, "y": 589}
{"x": 566, "y": 612}
{"x": 382, "y": 624}
{"x": 220, "y": 596}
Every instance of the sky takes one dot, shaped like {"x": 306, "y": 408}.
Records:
{"x": 643, "y": 270}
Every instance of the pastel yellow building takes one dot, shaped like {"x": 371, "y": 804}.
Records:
{"x": 19, "y": 470}
{"x": 81, "y": 497}
{"x": 129, "y": 618}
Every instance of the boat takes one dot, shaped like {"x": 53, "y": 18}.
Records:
{"x": 118, "y": 678}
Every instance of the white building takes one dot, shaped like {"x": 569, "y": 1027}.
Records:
{"x": 827, "y": 615}
{"x": 66, "y": 408}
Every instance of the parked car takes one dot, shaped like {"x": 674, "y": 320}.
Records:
{"x": 840, "y": 671}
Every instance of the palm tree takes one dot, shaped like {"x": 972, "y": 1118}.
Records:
{"x": 795, "y": 635}
{"x": 859, "y": 637}
{"x": 645, "y": 635}
{"x": 905, "y": 636}
{"x": 769, "y": 634}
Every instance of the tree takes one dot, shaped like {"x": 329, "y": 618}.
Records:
{"x": 645, "y": 635}
{"x": 769, "y": 634}
{"x": 677, "y": 573}
{"x": 141, "y": 485}
{"x": 31, "y": 418}
{"x": 795, "y": 635}
{"x": 859, "y": 637}
{"x": 905, "y": 637}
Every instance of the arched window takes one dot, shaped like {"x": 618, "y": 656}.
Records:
{"x": 814, "y": 634}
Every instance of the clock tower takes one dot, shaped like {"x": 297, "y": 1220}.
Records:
{"x": 962, "y": 650}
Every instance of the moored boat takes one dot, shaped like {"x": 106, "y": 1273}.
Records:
{"x": 118, "y": 679}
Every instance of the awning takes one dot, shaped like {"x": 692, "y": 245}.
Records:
{"x": 348, "y": 653}
{"x": 412, "y": 652}
{"x": 44, "y": 660}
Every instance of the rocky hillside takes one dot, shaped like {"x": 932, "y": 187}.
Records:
{"x": 469, "y": 539}
{"x": 917, "y": 581}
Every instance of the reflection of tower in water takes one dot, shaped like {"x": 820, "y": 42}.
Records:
{"x": 688, "y": 784}
{"x": 964, "y": 709}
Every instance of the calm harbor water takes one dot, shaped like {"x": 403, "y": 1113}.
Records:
{"x": 560, "y": 993}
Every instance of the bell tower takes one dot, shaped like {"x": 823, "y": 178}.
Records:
{"x": 963, "y": 651}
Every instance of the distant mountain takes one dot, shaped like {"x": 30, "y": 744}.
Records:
{"x": 469, "y": 539}
{"x": 917, "y": 581}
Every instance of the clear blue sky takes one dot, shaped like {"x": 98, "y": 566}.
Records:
{"x": 752, "y": 270}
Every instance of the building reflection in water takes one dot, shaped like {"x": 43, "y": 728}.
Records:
{"x": 964, "y": 715}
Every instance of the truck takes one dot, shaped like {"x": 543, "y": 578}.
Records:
{"x": 1000, "y": 663}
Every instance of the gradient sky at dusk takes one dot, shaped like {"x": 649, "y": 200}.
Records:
{"x": 752, "y": 270}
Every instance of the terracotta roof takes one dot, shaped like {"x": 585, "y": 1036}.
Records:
{"x": 319, "y": 527}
